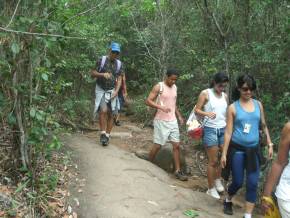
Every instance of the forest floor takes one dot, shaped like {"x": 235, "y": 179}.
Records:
{"x": 111, "y": 182}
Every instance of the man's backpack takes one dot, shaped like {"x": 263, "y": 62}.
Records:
{"x": 103, "y": 61}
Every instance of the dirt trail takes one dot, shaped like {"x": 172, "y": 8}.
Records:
{"x": 114, "y": 183}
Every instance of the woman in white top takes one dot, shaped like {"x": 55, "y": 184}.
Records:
{"x": 212, "y": 105}
{"x": 280, "y": 169}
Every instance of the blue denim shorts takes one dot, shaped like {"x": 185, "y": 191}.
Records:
{"x": 213, "y": 136}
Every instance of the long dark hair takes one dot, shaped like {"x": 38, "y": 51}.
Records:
{"x": 241, "y": 80}
{"x": 219, "y": 77}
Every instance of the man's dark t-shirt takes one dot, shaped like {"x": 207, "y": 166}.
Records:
{"x": 109, "y": 67}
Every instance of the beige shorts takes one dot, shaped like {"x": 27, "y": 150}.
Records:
{"x": 166, "y": 131}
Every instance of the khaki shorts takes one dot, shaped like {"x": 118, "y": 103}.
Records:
{"x": 166, "y": 131}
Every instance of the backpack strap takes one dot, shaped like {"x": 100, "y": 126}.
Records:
{"x": 103, "y": 61}
{"x": 161, "y": 88}
{"x": 119, "y": 64}
{"x": 160, "y": 93}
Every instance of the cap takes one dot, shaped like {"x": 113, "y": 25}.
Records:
{"x": 115, "y": 46}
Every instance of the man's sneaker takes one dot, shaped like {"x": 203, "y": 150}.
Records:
{"x": 228, "y": 208}
{"x": 104, "y": 140}
{"x": 213, "y": 193}
{"x": 219, "y": 186}
{"x": 179, "y": 175}
{"x": 142, "y": 155}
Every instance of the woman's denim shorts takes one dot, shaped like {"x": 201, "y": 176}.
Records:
{"x": 213, "y": 136}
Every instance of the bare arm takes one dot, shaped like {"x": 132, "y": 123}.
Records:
{"x": 228, "y": 133}
{"x": 280, "y": 162}
{"x": 179, "y": 116}
{"x": 266, "y": 131}
{"x": 118, "y": 85}
{"x": 150, "y": 101}
{"x": 125, "y": 85}
{"x": 95, "y": 74}
{"x": 201, "y": 101}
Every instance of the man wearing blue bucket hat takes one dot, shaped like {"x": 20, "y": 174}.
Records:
{"x": 108, "y": 74}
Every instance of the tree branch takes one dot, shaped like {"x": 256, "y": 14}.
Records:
{"x": 82, "y": 13}
{"x": 217, "y": 25}
{"x": 23, "y": 150}
{"x": 145, "y": 44}
{"x": 13, "y": 14}
{"x": 40, "y": 34}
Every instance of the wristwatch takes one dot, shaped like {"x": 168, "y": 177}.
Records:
{"x": 271, "y": 144}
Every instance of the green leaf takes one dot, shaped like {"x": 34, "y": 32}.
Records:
{"x": 11, "y": 119}
{"x": 39, "y": 116}
{"x": 44, "y": 76}
{"x": 22, "y": 186}
{"x": 32, "y": 112}
{"x": 15, "y": 48}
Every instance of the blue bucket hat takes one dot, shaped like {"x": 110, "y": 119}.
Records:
{"x": 115, "y": 46}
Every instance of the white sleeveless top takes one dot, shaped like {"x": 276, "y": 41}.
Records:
{"x": 219, "y": 106}
{"x": 283, "y": 189}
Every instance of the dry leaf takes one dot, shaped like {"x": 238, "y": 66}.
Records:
{"x": 77, "y": 202}
{"x": 69, "y": 209}
{"x": 75, "y": 215}
{"x": 153, "y": 203}
{"x": 2, "y": 213}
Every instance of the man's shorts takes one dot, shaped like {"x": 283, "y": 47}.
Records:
{"x": 104, "y": 107}
{"x": 213, "y": 136}
{"x": 165, "y": 131}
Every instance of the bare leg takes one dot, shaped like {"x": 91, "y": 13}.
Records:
{"x": 117, "y": 117}
{"x": 110, "y": 121}
{"x": 103, "y": 120}
{"x": 154, "y": 151}
{"x": 176, "y": 155}
{"x": 219, "y": 167}
{"x": 212, "y": 154}
{"x": 249, "y": 207}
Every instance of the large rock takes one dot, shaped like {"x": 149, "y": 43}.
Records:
{"x": 164, "y": 158}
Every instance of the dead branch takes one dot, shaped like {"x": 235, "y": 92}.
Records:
{"x": 82, "y": 13}
{"x": 40, "y": 34}
{"x": 145, "y": 44}
{"x": 13, "y": 14}
{"x": 23, "y": 150}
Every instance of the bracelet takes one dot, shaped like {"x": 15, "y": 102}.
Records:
{"x": 271, "y": 144}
